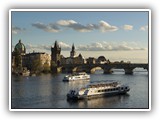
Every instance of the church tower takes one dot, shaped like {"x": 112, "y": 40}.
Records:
{"x": 55, "y": 54}
{"x": 72, "y": 53}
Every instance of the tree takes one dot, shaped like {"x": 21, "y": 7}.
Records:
{"x": 36, "y": 66}
{"x": 46, "y": 67}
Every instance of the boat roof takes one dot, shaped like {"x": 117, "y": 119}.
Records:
{"x": 102, "y": 83}
{"x": 79, "y": 73}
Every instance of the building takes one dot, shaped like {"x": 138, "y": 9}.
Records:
{"x": 37, "y": 61}
{"x": 20, "y": 48}
{"x": 73, "y": 59}
{"x": 55, "y": 55}
{"x": 101, "y": 60}
{"x": 19, "y": 51}
{"x": 91, "y": 60}
{"x": 73, "y": 53}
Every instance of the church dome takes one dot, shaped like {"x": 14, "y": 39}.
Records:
{"x": 20, "y": 48}
{"x": 101, "y": 58}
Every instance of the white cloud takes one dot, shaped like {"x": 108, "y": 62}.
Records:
{"x": 104, "y": 46}
{"x": 64, "y": 46}
{"x": 61, "y": 24}
{"x": 105, "y": 27}
{"x": 16, "y": 30}
{"x": 66, "y": 22}
{"x": 128, "y": 27}
{"x": 48, "y": 28}
{"x": 144, "y": 28}
{"x": 76, "y": 26}
{"x": 96, "y": 46}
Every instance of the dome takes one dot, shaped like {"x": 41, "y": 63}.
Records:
{"x": 101, "y": 58}
{"x": 20, "y": 48}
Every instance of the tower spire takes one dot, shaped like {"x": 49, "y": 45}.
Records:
{"x": 73, "y": 48}
{"x": 73, "y": 53}
{"x": 55, "y": 44}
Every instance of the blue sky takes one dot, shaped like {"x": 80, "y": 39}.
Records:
{"x": 89, "y": 31}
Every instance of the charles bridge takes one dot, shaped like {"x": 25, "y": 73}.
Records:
{"x": 107, "y": 67}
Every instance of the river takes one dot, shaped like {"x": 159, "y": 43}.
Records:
{"x": 48, "y": 91}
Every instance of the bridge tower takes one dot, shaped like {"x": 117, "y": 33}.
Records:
{"x": 55, "y": 54}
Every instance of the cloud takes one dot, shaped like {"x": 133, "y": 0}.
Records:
{"x": 77, "y": 26}
{"x": 128, "y": 27}
{"x": 62, "y": 24}
{"x": 66, "y": 22}
{"x": 105, "y": 27}
{"x": 16, "y": 30}
{"x": 95, "y": 46}
{"x": 64, "y": 46}
{"x": 144, "y": 28}
{"x": 48, "y": 28}
{"x": 104, "y": 46}
{"x": 38, "y": 47}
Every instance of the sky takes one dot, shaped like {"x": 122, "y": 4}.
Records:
{"x": 88, "y": 30}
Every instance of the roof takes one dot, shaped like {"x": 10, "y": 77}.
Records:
{"x": 20, "y": 47}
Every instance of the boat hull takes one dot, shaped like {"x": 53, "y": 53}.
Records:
{"x": 78, "y": 97}
{"x": 76, "y": 78}
{"x": 84, "y": 79}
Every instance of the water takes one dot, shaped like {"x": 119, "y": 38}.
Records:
{"x": 49, "y": 91}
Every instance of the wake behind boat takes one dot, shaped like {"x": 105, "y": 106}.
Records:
{"x": 77, "y": 76}
{"x": 97, "y": 89}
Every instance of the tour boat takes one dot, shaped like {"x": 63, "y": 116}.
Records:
{"x": 97, "y": 89}
{"x": 77, "y": 76}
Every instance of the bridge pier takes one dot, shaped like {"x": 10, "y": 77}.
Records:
{"x": 146, "y": 68}
{"x": 90, "y": 70}
{"x": 108, "y": 70}
{"x": 128, "y": 70}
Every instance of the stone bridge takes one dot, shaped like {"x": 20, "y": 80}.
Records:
{"x": 107, "y": 68}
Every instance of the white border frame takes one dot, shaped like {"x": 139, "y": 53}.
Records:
{"x": 87, "y": 10}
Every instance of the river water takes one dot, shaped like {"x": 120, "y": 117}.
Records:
{"x": 48, "y": 91}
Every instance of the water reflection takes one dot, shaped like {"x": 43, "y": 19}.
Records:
{"x": 101, "y": 102}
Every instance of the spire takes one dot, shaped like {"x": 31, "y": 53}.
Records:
{"x": 73, "y": 53}
{"x": 55, "y": 44}
{"x": 73, "y": 48}
{"x": 19, "y": 40}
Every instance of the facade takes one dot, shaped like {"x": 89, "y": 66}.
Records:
{"x": 36, "y": 60}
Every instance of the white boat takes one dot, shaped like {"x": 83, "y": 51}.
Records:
{"x": 77, "y": 76}
{"x": 98, "y": 89}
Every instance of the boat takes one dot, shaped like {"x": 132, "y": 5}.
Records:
{"x": 77, "y": 76}
{"x": 98, "y": 89}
